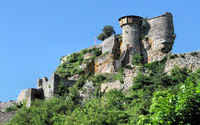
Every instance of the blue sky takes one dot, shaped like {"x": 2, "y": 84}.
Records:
{"x": 34, "y": 34}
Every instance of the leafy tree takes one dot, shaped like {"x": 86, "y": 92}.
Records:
{"x": 108, "y": 30}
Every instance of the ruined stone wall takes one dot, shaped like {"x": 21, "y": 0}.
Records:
{"x": 109, "y": 44}
{"x": 50, "y": 87}
{"x": 29, "y": 95}
{"x": 4, "y": 105}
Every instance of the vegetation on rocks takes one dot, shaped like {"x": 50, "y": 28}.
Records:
{"x": 72, "y": 65}
{"x": 155, "y": 98}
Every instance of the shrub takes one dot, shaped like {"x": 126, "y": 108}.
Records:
{"x": 12, "y": 108}
{"x": 179, "y": 74}
{"x": 119, "y": 36}
{"x": 98, "y": 52}
{"x": 182, "y": 56}
{"x": 195, "y": 54}
{"x": 62, "y": 90}
{"x": 119, "y": 76}
{"x": 137, "y": 59}
{"x": 99, "y": 78}
{"x": 173, "y": 56}
{"x": 42, "y": 112}
{"x": 156, "y": 66}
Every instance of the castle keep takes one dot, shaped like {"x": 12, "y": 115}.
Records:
{"x": 151, "y": 38}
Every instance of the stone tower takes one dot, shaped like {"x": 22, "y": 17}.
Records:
{"x": 130, "y": 35}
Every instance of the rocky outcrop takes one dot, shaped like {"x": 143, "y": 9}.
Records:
{"x": 105, "y": 64}
{"x": 88, "y": 90}
{"x": 190, "y": 60}
{"x": 158, "y": 37}
{"x": 128, "y": 76}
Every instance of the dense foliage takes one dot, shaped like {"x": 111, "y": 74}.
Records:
{"x": 155, "y": 98}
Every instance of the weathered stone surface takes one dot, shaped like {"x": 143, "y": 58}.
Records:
{"x": 4, "y": 105}
{"x": 105, "y": 64}
{"x": 109, "y": 44}
{"x": 6, "y": 117}
{"x": 159, "y": 37}
{"x": 88, "y": 90}
{"x": 88, "y": 66}
{"x": 51, "y": 86}
{"x": 30, "y": 95}
{"x": 128, "y": 76}
{"x": 111, "y": 85}
{"x": 190, "y": 60}
{"x": 88, "y": 55}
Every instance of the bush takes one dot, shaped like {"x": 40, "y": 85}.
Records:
{"x": 175, "y": 107}
{"x": 173, "y": 56}
{"x": 137, "y": 59}
{"x": 195, "y": 54}
{"x": 42, "y": 112}
{"x": 119, "y": 76}
{"x": 99, "y": 78}
{"x": 12, "y": 108}
{"x": 62, "y": 90}
{"x": 98, "y": 52}
{"x": 182, "y": 56}
{"x": 179, "y": 75}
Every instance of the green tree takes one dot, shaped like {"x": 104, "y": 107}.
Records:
{"x": 108, "y": 30}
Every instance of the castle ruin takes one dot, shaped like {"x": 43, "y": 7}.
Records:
{"x": 151, "y": 38}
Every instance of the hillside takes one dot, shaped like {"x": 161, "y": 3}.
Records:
{"x": 155, "y": 97}
{"x": 131, "y": 78}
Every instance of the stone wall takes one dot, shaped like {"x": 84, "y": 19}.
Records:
{"x": 50, "y": 87}
{"x": 109, "y": 44}
{"x": 4, "y": 105}
{"x": 30, "y": 95}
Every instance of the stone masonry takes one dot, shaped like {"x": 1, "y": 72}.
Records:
{"x": 45, "y": 89}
